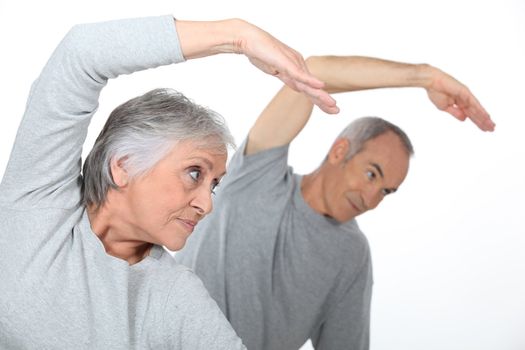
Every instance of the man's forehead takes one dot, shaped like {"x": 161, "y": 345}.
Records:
{"x": 388, "y": 156}
{"x": 385, "y": 145}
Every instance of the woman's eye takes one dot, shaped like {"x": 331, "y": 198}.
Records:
{"x": 195, "y": 174}
{"x": 213, "y": 187}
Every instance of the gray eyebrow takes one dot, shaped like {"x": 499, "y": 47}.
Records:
{"x": 380, "y": 171}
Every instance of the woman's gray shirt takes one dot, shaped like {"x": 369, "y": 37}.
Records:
{"x": 58, "y": 287}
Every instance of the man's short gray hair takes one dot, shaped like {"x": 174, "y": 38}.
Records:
{"x": 142, "y": 131}
{"x": 366, "y": 128}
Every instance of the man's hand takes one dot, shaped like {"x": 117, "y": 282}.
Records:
{"x": 451, "y": 96}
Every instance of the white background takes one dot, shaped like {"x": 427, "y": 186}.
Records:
{"x": 449, "y": 248}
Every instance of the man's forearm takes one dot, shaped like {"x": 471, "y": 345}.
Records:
{"x": 352, "y": 73}
{"x": 289, "y": 111}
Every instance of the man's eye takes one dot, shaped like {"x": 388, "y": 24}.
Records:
{"x": 387, "y": 191}
{"x": 370, "y": 175}
{"x": 195, "y": 174}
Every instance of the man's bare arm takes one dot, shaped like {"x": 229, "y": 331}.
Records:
{"x": 289, "y": 111}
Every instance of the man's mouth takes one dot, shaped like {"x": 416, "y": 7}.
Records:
{"x": 353, "y": 205}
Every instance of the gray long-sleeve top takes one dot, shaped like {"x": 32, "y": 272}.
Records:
{"x": 58, "y": 287}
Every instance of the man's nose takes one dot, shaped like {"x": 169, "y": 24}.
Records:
{"x": 372, "y": 197}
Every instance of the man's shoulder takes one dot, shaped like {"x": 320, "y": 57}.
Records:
{"x": 256, "y": 175}
{"x": 353, "y": 234}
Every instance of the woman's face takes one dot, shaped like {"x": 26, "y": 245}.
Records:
{"x": 165, "y": 204}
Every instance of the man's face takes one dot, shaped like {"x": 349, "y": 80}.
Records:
{"x": 164, "y": 205}
{"x": 360, "y": 184}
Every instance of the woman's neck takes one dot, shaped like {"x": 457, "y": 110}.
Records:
{"x": 116, "y": 234}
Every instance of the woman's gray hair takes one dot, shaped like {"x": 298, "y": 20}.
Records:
{"x": 142, "y": 131}
{"x": 364, "y": 129}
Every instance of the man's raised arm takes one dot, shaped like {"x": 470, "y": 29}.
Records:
{"x": 288, "y": 112}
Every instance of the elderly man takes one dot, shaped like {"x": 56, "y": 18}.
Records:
{"x": 282, "y": 254}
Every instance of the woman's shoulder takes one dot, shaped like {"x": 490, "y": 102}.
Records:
{"x": 176, "y": 277}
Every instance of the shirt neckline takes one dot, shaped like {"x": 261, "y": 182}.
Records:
{"x": 91, "y": 238}
{"x": 319, "y": 219}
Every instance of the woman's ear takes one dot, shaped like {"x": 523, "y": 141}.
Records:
{"x": 119, "y": 173}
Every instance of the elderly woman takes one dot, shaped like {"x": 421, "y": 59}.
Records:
{"x": 82, "y": 263}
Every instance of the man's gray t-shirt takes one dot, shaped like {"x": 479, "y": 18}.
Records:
{"x": 281, "y": 272}
{"x": 58, "y": 287}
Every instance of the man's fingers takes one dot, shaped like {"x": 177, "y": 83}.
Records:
{"x": 480, "y": 118}
{"x": 476, "y": 112}
{"x": 456, "y": 112}
{"x": 483, "y": 118}
{"x": 483, "y": 122}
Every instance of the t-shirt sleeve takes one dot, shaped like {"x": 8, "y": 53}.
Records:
{"x": 348, "y": 323}
{"x": 193, "y": 321}
{"x": 261, "y": 171}
{"x": 45, "y": 162}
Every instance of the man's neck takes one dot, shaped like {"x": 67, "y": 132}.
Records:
{"x": 312, "y": 191}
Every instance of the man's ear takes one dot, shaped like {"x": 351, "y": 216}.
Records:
{"x": 338, "y": 151}
{"x": 119, "y": 172}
